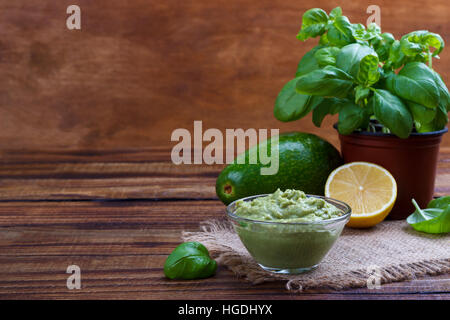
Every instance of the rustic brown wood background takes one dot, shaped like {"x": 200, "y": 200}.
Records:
{"x": 140, "y": 69}
{"x": 87, "y": 116}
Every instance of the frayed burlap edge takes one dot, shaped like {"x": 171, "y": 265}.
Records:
{"x": 245, "y": 267}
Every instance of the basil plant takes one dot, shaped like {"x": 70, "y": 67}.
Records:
{"x": 367, "y": 77}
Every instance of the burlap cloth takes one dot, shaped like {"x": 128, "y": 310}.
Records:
{"x": 392, "y": 251}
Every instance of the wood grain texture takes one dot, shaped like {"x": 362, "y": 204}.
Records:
{"x": 85, "y": 178}
{"x": 139, "y": 69}
{"x": 121, "y": 248}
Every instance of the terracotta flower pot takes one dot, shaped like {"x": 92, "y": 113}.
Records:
{"x": 411, "y": 161}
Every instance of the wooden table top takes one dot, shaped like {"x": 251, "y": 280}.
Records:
{"x": 117, "y": 215}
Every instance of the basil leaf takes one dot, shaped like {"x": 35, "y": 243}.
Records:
{"x": 308, "y": 62}
{"x": 329, "y": 81}
{"x": 431, "y": 220}
{"x": 323, "y": 40}
{"x": 326, "y": 56}
{"x": 439, "y": 122}
{"x": 368, "y": 73}
{"x": 373, "y": 29}
{"x": 396, "y": 56}
{"x": 359, "y": 31}
{"x": 410, "y": 49}
{"x": 388, "y": 37}
{"x": 361, "y": 93}
{"x": 340, "y": 33}
{"x": 372, "y": 33}
{"x": 336, "y": 12}
{"x": 440, "y": 203}
{"x": 417, "y": 42}
{"x": 190, "y": 260}
{"x": 314, "y": 22}
{"x": 326, "y": 106}
{"x": 415, "y": 82}
{"x": 366, "y": 36}
{"x": 350, "y": 56}
{"x": 444, "y": 95}
{"x": 435, "y": 41}
{"x": 423, "y": 116}
{"x": 441, "y": 119}
{"x": 382, "y": 45}
{"x": 291, "y": 105}
{"x": 392, "y": 113}
{"x": 351, "y": 117}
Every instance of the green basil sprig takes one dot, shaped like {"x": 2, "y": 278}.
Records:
{"x": 314, "y": 23}
{"x": 366, "y": 75}
{"x": 434, "y": 219}
{"x": 340, "y": 32}
{"x": 190, "y": 260}
{"x": 417, "y": 45}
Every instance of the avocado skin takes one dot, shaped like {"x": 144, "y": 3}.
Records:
{"x": 305, "y": 162}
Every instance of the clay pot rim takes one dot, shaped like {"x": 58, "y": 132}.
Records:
{"x": 382, "y": 134}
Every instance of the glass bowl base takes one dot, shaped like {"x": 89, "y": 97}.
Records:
{"x": 288, "y": 271}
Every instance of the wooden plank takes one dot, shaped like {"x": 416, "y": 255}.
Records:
{"x": 121, "y": 248}
{"x": 80, "y": 155}
{"x": 137, "y": 70}
{"x": 107, "y": 181}
{"x": 67, "y": 179}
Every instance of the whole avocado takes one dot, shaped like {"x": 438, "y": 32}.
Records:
{"x": 305, "y": 162}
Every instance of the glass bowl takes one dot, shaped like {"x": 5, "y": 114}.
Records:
{"x": 289, "y": 247}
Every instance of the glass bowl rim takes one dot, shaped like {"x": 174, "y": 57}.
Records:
{"x": 347, "y": 212}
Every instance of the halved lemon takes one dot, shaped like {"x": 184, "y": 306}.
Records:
{"x": 369, "y": 189}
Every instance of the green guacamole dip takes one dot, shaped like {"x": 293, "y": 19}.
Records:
{"x": 287, "y": 206}
{"x": 284, "y": 244}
